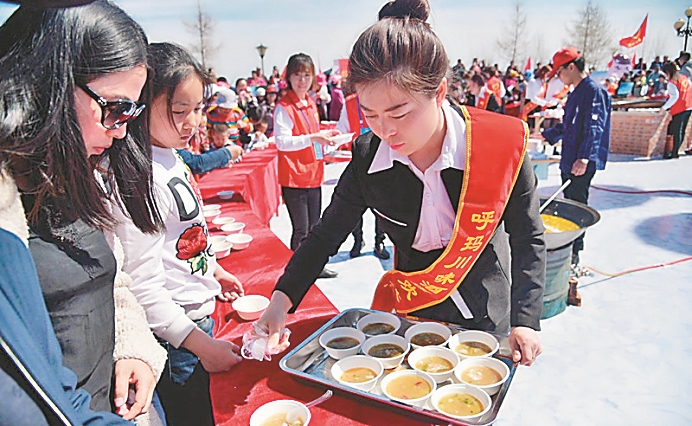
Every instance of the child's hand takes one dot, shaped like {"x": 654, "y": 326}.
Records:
{"x": 130, "y": 372}
{"x": 231, "y": 288}
{"x": 219, "y": 356}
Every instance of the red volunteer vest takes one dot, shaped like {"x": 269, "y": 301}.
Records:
{"x": 483, "y": 101}
{"x": 300, "y": 169}
{"x": 488, "y": 182}
{"x": 495, "y": 86}
{"x": 685, "y": 95}
{"x": 354, "y": 115}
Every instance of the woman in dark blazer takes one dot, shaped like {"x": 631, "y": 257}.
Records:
{"x": 410, "y": 170}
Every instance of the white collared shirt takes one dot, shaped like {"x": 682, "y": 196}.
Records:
{"x": 437, "y": 216}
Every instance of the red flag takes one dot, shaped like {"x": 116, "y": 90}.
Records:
{"x": 634, "y": 60}
{"x": 528, "y": 66}
{"x": 637, "y": 38}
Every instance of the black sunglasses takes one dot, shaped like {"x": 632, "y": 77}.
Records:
{"x": 115, "y": 113}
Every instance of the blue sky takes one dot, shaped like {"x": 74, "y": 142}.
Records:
{"x": 326, "y": 29}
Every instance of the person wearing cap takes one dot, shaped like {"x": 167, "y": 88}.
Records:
{"x": 226, "y": 111}
{"x": 268, "y": 104}
{"x": 585, "y": 131}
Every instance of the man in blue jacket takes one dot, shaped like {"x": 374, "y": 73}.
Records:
{"x": 585, "y": 130}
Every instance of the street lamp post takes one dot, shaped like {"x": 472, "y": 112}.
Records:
{"x": 683, "y": 28}
{"x": 262, "y": 49}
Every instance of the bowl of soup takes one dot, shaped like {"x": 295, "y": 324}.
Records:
{"x": 484, "y": 373}
{"x": 340, "y": 342}
{"x": 357, "y": 371}
{"x": 274, "y": 414}
{"x": 427, "y": 334}
{"x": 389, "y": 349}
{"x": 462, "y": 402}
{"x": 410, "y": 387}
{"x": 378, "y": 324}
{"x": 435, "y": 361}
{"x": 473, "y": 343}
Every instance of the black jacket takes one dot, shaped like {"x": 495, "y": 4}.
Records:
{"x": 395, "y": 195}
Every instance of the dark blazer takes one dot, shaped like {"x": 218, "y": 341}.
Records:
{"x": 395, "y": 196}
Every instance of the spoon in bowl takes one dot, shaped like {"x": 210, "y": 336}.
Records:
{"x": 294, "y": 415}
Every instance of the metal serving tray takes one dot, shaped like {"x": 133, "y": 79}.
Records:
{"x": 309, "y": 361}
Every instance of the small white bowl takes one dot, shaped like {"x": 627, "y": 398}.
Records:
{"x": 225, "y": 195}
{"x": 427, "y": 351}
{"x": 473, "y": 336}
{"x": 221, "y": 221}
{"x": 222, "y": 249}
{"x": 233, "y": 228}
{"x": 210, "y": 215}
{"x": 392, "y": 362}
{"x": 356, "y": 361}
{"x": 333, "y": 333}
{"x": 239, "y": 241}
{"x": 276, "y": 408}
{"x": 250, "y": 307}
{"x": 211, "y": 207}
{"x": 379, "y": 317}
{"x": 428, "y": 327}
{"x": 419, "y": 402}
{"x": 215, "y": 239}
{"x": 493, "y": 363}
{"x": 482, "y": 396}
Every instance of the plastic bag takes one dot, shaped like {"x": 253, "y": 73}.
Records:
{"x": 255, "y": 343}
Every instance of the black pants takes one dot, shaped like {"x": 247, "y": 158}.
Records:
{"x": 304, "y": 207}
{"x": 578, "y": 190}
{"x": 188, "y": 404}
{"x": 358, "y": 231}
{"x": 677, "y": 128}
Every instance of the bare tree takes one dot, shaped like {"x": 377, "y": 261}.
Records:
{"x": 510, "y": 42}
{"x": 203, "y": 29}
{"x": 590, "y": 33}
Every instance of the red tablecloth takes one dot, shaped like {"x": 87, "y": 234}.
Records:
{"x": 254, "y": 179}
{"x": 238, "y": 393}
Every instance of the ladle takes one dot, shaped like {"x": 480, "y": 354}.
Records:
{"x": 552, "y": 197}
{"x": 294, "y": 415}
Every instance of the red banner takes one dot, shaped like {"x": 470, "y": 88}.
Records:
{"x": 637, "y": 38}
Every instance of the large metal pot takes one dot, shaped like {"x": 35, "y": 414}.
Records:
{"x": 579, "y": 213}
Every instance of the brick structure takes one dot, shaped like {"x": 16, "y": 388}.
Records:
{"x": 641, "y": 132}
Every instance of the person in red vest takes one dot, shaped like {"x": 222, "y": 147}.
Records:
{"x": 301, "y": 159}
{"x": 680, "y": 105}
{"x": 483, "y": 97}
{"x": 453, "y": 188}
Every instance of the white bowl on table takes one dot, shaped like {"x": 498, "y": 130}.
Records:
{"x": 417, "y": 402}
{"x": 274, "y": 409}
{"x": 428, "y": 327}
{"x": 357, "y": 361}
{"x": 417, "y": 355}
{"x": 215, "y": 239}
{"x": 458, "y": 389}
{"x": 473, "y": 336}
{"x": 338, "y": 332}
{"x": 233, "y": 228}
{"x": 250, "y": 307}
{"x": 225, "y": 195}
{"x": 378, "y": 318}
{"x": 239, "y": 241}
{"x": 222, "y": 220}
{"x": 391, "y": 362}
{"x": 210, "y": 215}
{"x": 222, "y": 249}
{"x": 493, "y": 363}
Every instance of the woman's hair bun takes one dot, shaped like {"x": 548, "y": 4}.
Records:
{"x": 414, "y": 9}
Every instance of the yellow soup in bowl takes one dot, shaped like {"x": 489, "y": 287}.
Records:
{"x": 473, "y": 349}
{"x": 480, "y": 375}
{"x": 280, "y": 420}
{"x": 434, "y": 364}
{"x": 460, "y": 404}
{"x": 408, "y": 387}
{"x": 358, "y": 375}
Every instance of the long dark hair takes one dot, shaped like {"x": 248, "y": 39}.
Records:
{"x": 172, "y": 65}
{"x": 43, "y": 55}
{"x": 300, "y": 62}
{"x": 400, "y": 48}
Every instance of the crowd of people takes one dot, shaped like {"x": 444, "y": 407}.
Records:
{"x": 104, "y": 244}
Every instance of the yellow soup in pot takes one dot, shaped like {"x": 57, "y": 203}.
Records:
{"x": 434, "y": 364}
{"x": 554, "y": 224}
{"x": 408, "y": 387}
{"x": 460, "y": 404}
{"x": 280, "y": 420}
{"x": 480, "y": 375}
{"x": 473, "y": 349}
{"x": 358, "y": 375}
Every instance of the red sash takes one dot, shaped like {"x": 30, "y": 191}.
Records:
{"x": 484, "y": 100}
{"x": 495, "y": 149}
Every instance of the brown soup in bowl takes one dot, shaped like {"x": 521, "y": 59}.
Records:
{"x": 427, "y": 339}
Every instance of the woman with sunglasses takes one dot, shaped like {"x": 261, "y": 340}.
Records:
{"x": 69, "y": 84}
{"x": 452, "y": 187}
